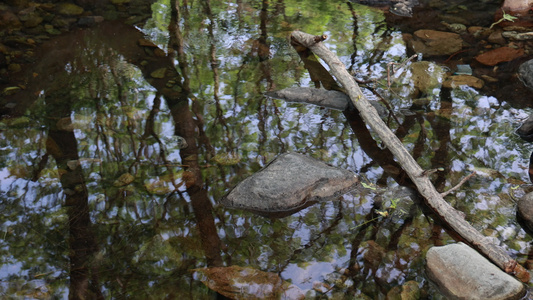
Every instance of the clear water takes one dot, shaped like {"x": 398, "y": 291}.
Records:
{"x": 110, "y": 177}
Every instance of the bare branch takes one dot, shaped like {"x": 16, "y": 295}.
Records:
{"x": 369, "y": 114}
{"x": 444, "y": 194}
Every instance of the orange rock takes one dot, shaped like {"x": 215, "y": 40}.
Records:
{"x": 496, "y": 56}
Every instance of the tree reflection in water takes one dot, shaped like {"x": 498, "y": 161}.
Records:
{"x": 149, "y": 127}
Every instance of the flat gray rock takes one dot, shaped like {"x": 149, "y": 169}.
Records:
{"x": 462, "y": 273}
{"x": 289, "y": 183}
{"x": 320, "y": 97}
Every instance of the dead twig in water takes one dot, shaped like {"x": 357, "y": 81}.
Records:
{"x": 457, "y": 186}
{"x": 390, "y": 68}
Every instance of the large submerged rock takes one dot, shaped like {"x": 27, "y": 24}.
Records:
{"x": 288, "y": 184}
{"x": 462, "y": 273}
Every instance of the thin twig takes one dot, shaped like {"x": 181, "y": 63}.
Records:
{"x": 444, "y": 194}
{"x": 391, "y": 71}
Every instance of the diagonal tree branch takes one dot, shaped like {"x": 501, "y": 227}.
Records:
{"x": 369, "y": 114}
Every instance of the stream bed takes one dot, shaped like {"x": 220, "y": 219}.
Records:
{"x": 123, "y": 125}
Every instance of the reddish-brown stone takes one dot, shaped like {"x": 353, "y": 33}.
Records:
{"x": 435, "y": 43}
{"x": 496, "y": 56}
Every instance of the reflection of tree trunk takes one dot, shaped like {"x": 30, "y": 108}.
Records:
{"x": 175, "y": 42}
{"x": 186, "y": 128}
{"x": 441, "y": 124}
{"x": 171, "y": 88}
{"x": 261, "y": 49}
{"x": 216, "y": 78}
{"x": 62, "y": 145}
{"x": 354, "y": 35}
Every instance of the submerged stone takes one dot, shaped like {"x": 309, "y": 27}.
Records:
{"x": 458, "y": 80}
{"x": 288, "y": 184}
{"x": 525, "y": 73}
{"x": 426, "y": 76}
{"x": 434, "y": 43}
{"x": 320, "y": 97}
{"x": 69, "y": 9}
{"x": 525, "y": 212}
{"x": 460, "y": 272}
{"x": 526, "y": 129}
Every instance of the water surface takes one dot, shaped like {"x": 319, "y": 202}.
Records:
{"x": 118, "y": 138}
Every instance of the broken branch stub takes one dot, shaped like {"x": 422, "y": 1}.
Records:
{"x": 369, "y": 114}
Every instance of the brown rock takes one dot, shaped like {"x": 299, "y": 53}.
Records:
{"x": 9, "y": 19}
{"x": 496, "y": 37}
{"x": 457, "y": 80}
{"x": 488, "y": 78}
{"x": 478, "y": 31}
{"x": 33, "y": 21}
{"x": 474, "y": 29}
{"x": 435, "y": 43}
{"x": 496, "y": 56}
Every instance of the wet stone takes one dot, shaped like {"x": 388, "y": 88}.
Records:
{"x": 525, "y": 73}
{"x": 520, "y": 36}
{"x": 9, "y": 19}
{"x": 14, "y": 68}
{"x": 525, "y": 211}
{"x": 288, "y": 184}
{"x": 426, "y": 75}
{"x": 458, "y": 80}
{"x": 496, "y": 37}
{"x": 320, "y": 97}
{"x": 526, "y": 129}
{"x": 479, "y": 32}
{"x": 460, "y": 272}
{"x": 435, "y": 43}
{"x": 33, "y": 21}
{"x": 159, "y": 73}
{"x": 69, "y": 9}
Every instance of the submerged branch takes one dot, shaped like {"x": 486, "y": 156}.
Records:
{"x": 369, "y": 114}
{"x": 444, "y": 194}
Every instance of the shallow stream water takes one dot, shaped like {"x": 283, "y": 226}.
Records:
{"x": 110, "y": 173}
